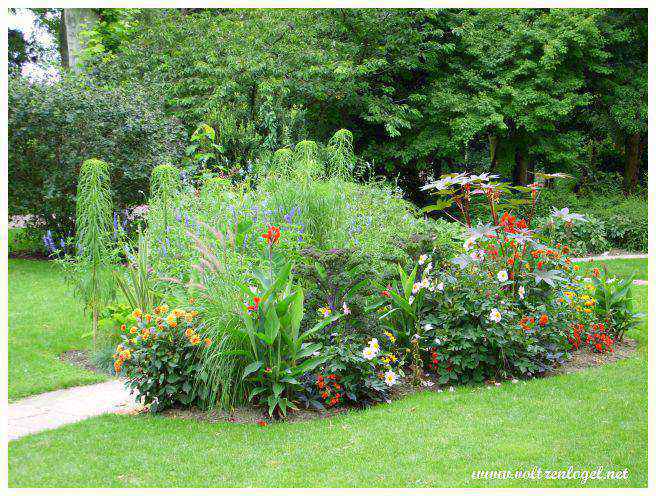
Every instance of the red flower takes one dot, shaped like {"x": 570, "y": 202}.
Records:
{"x": 544, "y": 320}
{"x": 386, "y": 294}
{"x": 262, "y": 423}
{"x": 255, "y": 306}
{"x": 272, "y": 235}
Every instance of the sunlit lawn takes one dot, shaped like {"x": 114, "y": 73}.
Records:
{"x": 621, "y": 267}
{"x": 44, "y": 321}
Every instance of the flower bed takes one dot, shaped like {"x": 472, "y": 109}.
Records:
{"x": 290, "y": 295}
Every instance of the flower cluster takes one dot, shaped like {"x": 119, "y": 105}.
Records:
{"x": 158, "y": 354}
{"x": 329, "y": 388}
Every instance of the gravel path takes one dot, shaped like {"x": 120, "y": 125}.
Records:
{"x": 66, "y": 406}
{"x": 606, "y": 256}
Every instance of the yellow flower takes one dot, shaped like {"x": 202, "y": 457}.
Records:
{"x": 589, "y": 303}
{"x": 136, "y": 313}
{"x": 133, "y": 330}
{"x": 164, "y": 308}
{"x": 119, "y": 348}
{"x": 579, "y": 308}
{"x": 195, "y": 339}
{"x": 172, "y": 320}
{"x": 188, "y": 317}
{"x": 194, "y": 313}
{"x": 390, "y": 336}
{"x": 178, "y": 313}
{"x": 585, "y": 297}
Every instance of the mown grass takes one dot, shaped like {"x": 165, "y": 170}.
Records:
{"x": 620, "y": 267}
{"x": 44, "y": 321}
{"x": 593, "y": 418}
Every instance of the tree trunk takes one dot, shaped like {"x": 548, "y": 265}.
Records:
{"x": 494, "y": 155}
{"x": 74, "y": 21}
{"x": 520, "y": 170}
{"x": 632, "y": 162}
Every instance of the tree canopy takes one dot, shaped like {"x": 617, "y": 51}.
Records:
{"x": 423, "y": 91}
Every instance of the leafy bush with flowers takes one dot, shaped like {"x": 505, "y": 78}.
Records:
{"x": 158, "y": 356}
{"x": 502, "y": 311}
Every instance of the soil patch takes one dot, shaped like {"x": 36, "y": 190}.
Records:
{"x": 82, "y": 359}
{"x": 585, "y": 358}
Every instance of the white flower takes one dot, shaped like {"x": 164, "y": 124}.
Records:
{"x": 514, "y": 381}
{"x": 253, "y": 289}
{"x": 497, "y": 384}
{"x": 477, "y": 255}
{"x": 416, "y": 287}
{"x": 425, "y": 282}
{"x": 438, "y": 341}
{"x": 521, "y": 292}
{"x": 469, "y": 242}
{"x": 495, "y": 315}
{"x": 452, "y": 389}
{"x": 422, "y": 259}
{"x": 440, "y": 286}
{"x": 368, "y": 353}
{"x": 427, "y": 269}
{"x": 502, "y": 276}
{"x": 346, "y": 309}
{"x": 428, "y": 327}
{"x": 411, "y": 300}
{"x": 427, "y": 383}
{"x": 373, "y": 344}
{"x": 390, "y": 378}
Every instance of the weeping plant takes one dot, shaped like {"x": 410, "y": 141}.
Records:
{"x": 95, "y": 250}
{"x": 341, "y": 159}
{"x": 165, "y": 185}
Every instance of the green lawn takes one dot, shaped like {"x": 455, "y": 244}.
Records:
{"x": 621, "y": 267}
{"x": 44, "y": 321}
{"x": 597, "y": 417}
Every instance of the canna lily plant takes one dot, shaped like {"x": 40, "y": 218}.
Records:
{"x": 276, "y": 352}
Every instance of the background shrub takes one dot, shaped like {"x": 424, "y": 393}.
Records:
{"x": 54, "y": 127}
{"x": 582, "y": 237}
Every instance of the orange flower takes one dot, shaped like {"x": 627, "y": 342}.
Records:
{"x": 208, "y": 342}
{"x": 262, "y": 423}
{"x": 194, "y": 340}
{"x": 596, "y": 272}
{"x": 272, "y": 235}
{"x": 123, "y": 327}
{"x": 544, "y": 320}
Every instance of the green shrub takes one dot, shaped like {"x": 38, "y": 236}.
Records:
{"x": 583, "y": 237}
{"x": 627, "y": 224}
{"x": 53, "y": 127}
{"x": 159, "y": 358}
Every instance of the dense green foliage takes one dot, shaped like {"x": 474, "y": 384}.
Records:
{"x": 425, "y": 91}
{"x": 54, "y": 127}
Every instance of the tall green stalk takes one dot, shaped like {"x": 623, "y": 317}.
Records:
{"x": 164, "y": 188}
{"x": 93, "y": 236}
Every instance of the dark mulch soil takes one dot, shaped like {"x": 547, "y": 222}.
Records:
{"x": 585, "y": 358}
{"x": 29, "y": 255}
{"x": 82, "y": 359}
